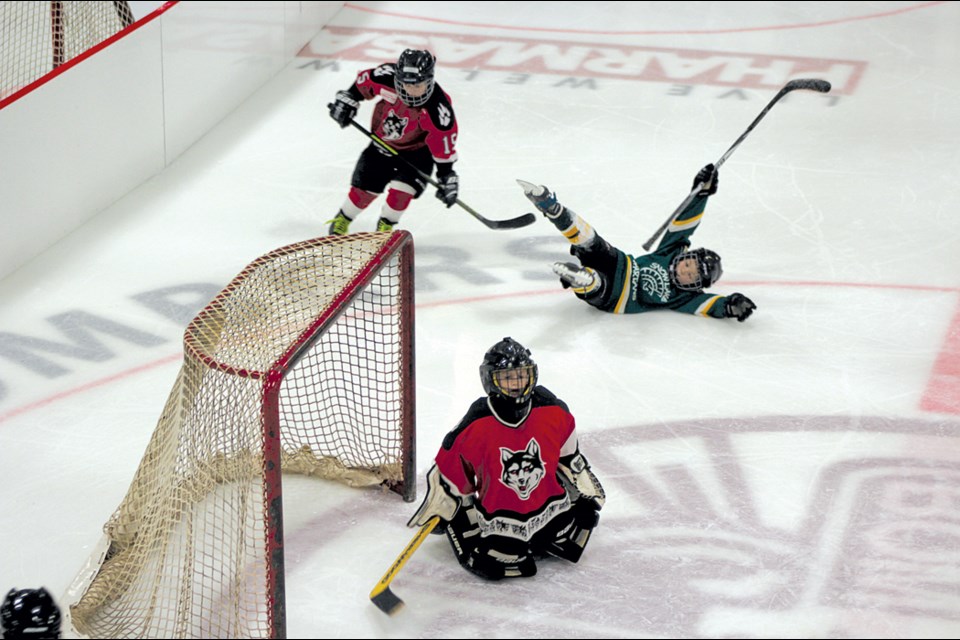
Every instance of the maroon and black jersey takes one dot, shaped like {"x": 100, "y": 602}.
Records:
{"x": 511, "y": 470}
{"x": 406, "y": 128}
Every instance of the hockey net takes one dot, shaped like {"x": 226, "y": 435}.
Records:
{"x": 304, "y": 362}
{"x": 38, "y": 37}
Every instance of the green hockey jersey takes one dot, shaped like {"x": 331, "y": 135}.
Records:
{"x": 642, "y": 283}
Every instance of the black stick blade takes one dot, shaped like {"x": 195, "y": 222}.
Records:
{"x": 513, "y": 223}
{"x": 387, "y": 601}
{"x": 811, "y": 84}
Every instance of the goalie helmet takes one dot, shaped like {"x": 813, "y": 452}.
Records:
{"x": 508, "y": 371}
{"x": 414, "y": 78}
{"x": 29, "y": 613}
{"x": 708, "y": 271}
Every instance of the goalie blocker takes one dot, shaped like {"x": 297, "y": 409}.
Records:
{"x": 509, "y": 483}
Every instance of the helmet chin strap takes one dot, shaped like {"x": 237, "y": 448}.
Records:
{"x": 508, "y": 412}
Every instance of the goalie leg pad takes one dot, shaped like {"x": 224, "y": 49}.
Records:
{"x": 496, "y": 558}
{"x": 463, "y": 532}
{"x": 568, "y": 534}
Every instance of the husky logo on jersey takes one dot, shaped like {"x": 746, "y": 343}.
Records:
{"x": 655, "y": 281}
{"x": 443, "y": 113}
{"x": 393, "y": 126}
{"x": 522, "y": 470}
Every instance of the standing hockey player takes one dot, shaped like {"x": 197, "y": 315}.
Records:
{"x": 509, "y": 483}
{"x": 672, "y": 277}
{"x": 415, "y": 117}
{"x": 29, "y": 613}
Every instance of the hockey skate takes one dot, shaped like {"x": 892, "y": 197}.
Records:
{"x": 340, "y": 225}
{"x": 581, "y": 279}
{"x": 542, "y": 198}
{"x": 384, "y": 225}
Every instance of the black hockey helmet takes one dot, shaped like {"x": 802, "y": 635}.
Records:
{"x": 415, "y": 67}
{"x": 508, "y": 362}
{"x": 709, "y": 269}
{"x": 29, "y": 613}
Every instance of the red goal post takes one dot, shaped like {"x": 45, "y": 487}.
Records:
{"x": 305, "y": 363}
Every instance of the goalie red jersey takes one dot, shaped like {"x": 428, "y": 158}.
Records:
{"x": 512, "y": 470}
{"x": 509, "y": 482}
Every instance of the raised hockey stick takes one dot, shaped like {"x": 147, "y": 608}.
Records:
{"x": 821, "y": 86}
{"x": 512, "y": 223}
{"x": 381, "y": 595}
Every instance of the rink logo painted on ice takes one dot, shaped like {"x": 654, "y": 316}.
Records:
{"x": 857, "y": 537}
{"x": 77, "y": 341}
{"x": 588, "y": 60}
{"x": 76, "y": 345}
{"x": 942, "y": 394}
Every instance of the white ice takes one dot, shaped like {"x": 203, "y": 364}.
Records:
{"x": 793, "y": 476}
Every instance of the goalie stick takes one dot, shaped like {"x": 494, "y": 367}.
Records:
{"x": 382, "y": 596}
{"x": 512, "y": 223}
{"x": 821, "y": 86}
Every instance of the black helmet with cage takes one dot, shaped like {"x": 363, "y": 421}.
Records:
{"x": 29, "y": 613}
{"x": 414, "y": 78}
{"x": 508, "y": 372}
{"x": 709, "y": 269}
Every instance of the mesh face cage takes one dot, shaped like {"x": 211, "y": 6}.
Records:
{"x": 516, "y": 382}
{"x": 709, "y": 269}
{"x": 415, "y": 68}
{"x": 697, "y": 284}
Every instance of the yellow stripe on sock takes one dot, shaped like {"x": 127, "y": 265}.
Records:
{"x": 571, "y": 233}
{"x": 579, "y": 232}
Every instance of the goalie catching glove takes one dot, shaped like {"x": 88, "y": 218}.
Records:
{"x": 579, "y": 481}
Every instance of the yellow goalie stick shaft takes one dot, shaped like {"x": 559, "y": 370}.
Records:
{"x": 382, "y": 596}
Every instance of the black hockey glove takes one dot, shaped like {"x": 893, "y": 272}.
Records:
{"x": 449, "y": 188}
{"x": 710, "y": 178}
{"x": 343, "y": 109}
{"x": 738, "y": 306}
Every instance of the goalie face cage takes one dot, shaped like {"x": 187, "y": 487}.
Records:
{"x": 304, "y": 362}
{"x": 38, "y": 37}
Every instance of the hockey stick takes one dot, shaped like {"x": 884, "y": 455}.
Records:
{"x": 512, "y": 223}
{"x": 821, "y": 86}
{"x": 381, "y": 595}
